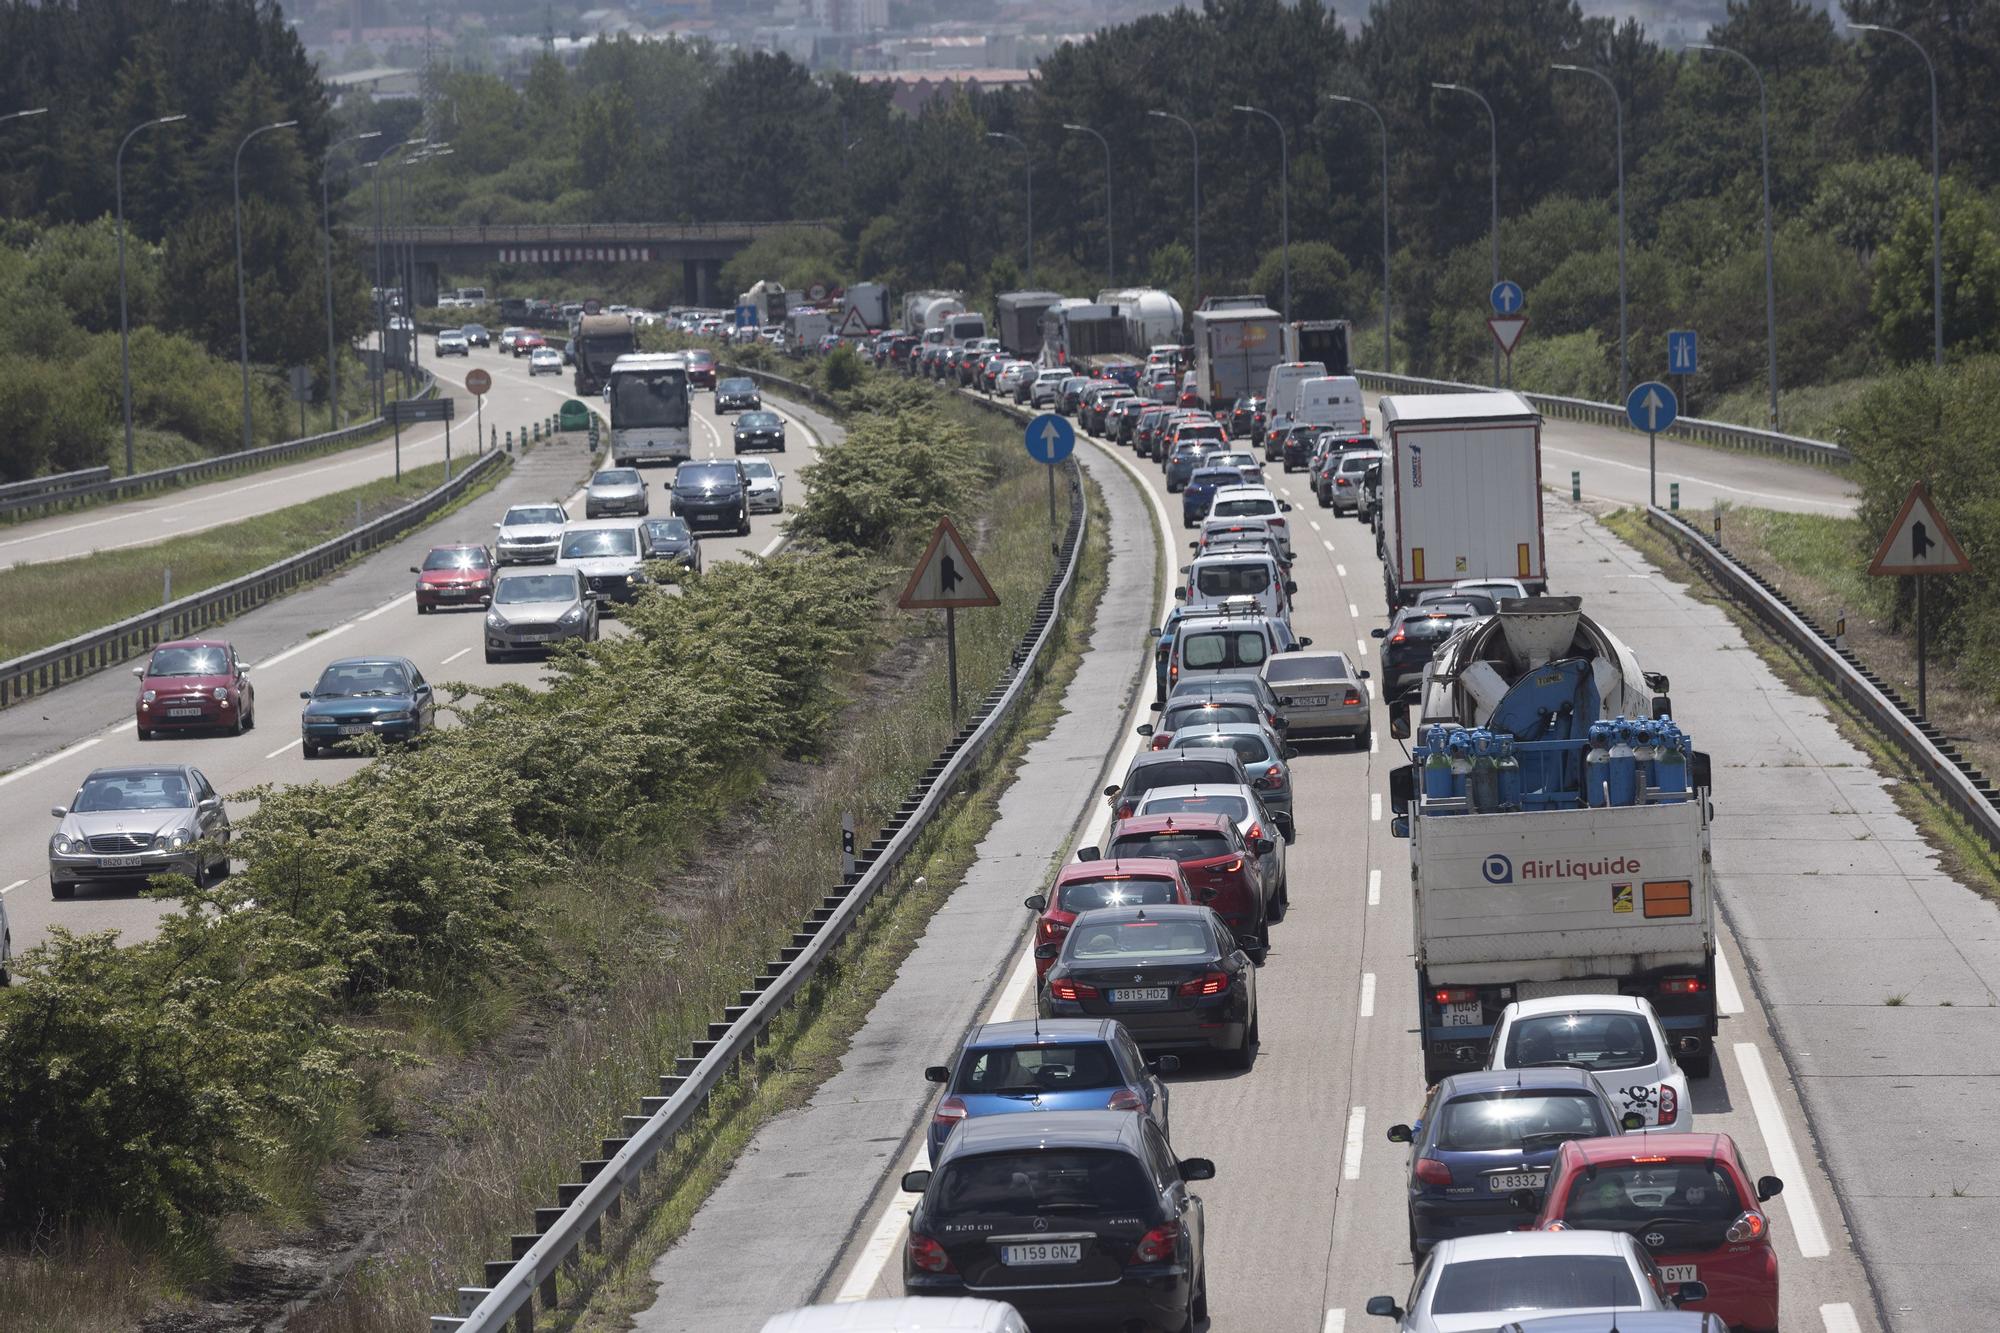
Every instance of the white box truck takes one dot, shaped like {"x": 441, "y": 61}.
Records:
{"x": 1461, "y": 491}
{"x": 871, "y": 299}
{"x": 1237, "y": 339}
{"x": 1282, "y": 384}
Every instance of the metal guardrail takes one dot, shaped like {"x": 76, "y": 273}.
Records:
{"x": 1961, "y": 785}
{"x": 47, "y": 668}
{"x": 33, "y": 486}
{"x": 1723, "y": 433}
{"x": 560, "y": 1232}
{"x": 106, "y": 487}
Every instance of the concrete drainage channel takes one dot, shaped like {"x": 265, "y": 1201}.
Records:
{"x": 1961, "y": 785}
{"x": 543, "y": 1259}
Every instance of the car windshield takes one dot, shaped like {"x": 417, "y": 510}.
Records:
{"x": 1433, "y": 626}
{"x": 1697, "y": 1198}
{"x": 1246, "y": 508}
{"x": 1293, "y": 666}
{"x": 757, "y": 421}
{"x": 1180, "y": 844}
{"x": 759, "y": 468}
{"x": 705, "y": 474}
{"x": 1594, "y": 1041}
{"x": 1350, "y": 463}
{"x": 1512, "y": 1119}
{"x": 1236, "y": 578}
{"x": 662, "y": 530}
{"x": 641, "y": 398}
{"x": 535, "y": 588}
{"x": 1213, "y": 649}
{"x": 622, "y": 476}
{"x": 1068, "y": 1067}
{"x": 1199, "y": 714}
{"x": 737, "y": 386}
{"x": 1249, "y": 746}
{"x": 1114, "y": 891}
{"x": 594, "y": 543}
{"x": 155, "y": 789}
{"x": 1093, "y": 1182}
{"x": 531, "y": 514}
{"x": 362, "y": 678}
{"x": 1102, "y": 941}
{"x": 1534, "y": 1282}
{"x": 457, "y": 557}
{"x": 189, "y": 662}
{"x": 1236, "y": 807}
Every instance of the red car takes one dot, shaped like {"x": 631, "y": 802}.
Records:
{"x": 1689, "y": 1201}
{"x": 1220, "y": 869}
{"x": 701, "y": 368}
{"x": 1091, "y": 882}
{"x": 527, "y": 342}
{"x": 454, "y": 576}
{"x": 191, "y": 684}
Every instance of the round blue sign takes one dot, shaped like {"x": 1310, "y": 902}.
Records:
{"x": 1050, "y": 438}
{"x": 1651, "y": 407}
{"x": 1506, "y": 297}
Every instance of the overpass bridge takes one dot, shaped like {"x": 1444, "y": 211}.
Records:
{"x": 701, "y": 248}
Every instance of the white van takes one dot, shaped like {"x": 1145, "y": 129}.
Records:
{"x": 1334, "y": 403}
{"x": 1282, "y": 385}
{"x": 908, "y": 1314}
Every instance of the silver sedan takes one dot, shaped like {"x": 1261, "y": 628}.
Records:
{"x": 1320, "y": 694}
{"x": 616, "y": 491}
{"x": 135, "y": 823}
{"x": 1265, "y": 757}
{"x": 767, "y": 486}
{"x": 535, "y": 610}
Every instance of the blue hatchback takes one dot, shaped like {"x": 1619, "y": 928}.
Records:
{"x": 1051, "y": 1064}
{"x": 1200, "y": 491}
{"x": 1488, "y": 1135}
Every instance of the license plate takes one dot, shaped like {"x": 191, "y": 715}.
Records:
{"x": 183, "y": 712}
{"x": 532, "y": 638}
{"x": 1464, "y": 1014}
{"x": 1678, "y": 1273}
{"x": 1519, "y": 1180}
{"x": 116, "y": 862}
{"x": 1140, "y": 994}
{"x": 352, "y": 729}
{"x": 1309, "y": 701}
{"x": 1046, "y": 1252}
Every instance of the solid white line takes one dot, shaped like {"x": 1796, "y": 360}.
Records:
{"x": 1335, "y": 1322}
{"x": 1374, "y": 742}
{"x": 1368, "y": 995}
{"x": 298, "y": 648}
{"x": 11, "y": 887}
{"x": 1338, "y": 569}
{"x": 132, "y": 725}
{"x": 281, "y": 749}
{"x": 57, "y": 757}
{"x": 1375, "y": 805}
{"x": 1353, "y": 611}
{"x": 388, "y": 606}
{"x": 1350, "y": 1160}
{"x": 1727, "y": 998}
{"x": 1839, "y": 1318}
{"x": 1784, "y": 1157}
{"x": 454, "y": 657}
{"x": 1374, "y": 888}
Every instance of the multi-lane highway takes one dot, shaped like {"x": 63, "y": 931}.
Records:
{"x": 49, "y": 743}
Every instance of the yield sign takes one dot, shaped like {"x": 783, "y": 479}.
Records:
{"x": 1507, "y": 330}
{"x": 854, "y": 325}
{"x": 947, "y": 575}
{"x": 1918, "y": 541}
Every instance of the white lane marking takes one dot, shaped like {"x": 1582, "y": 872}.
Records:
{"x": 1374, "y": 742}
{"x": 55, "y": 758}
{"x": 298, "y": 648}
{"x": 454, "y": 657}
{"x": 1371, "y": 687}
{"x": 132, "y": 725}
{"x": 1783, "y": 1155}
{"x": 1374, "y": 888}
{"x": 11, "y": 887}
{"x": 387, "y": 606}
{"x": 1315, "y": 524}
{"x": 1329, "y": 546}
{"x": 1350, "y": 1159}
{"x": 1338, "y": 569}
{"x": 281, "y": 749}
{"x": 1368, "y": 995}
{"x": 1839, "y": 1318}
{"x": 1831, "y": 506}
{"x": 1353, "y": 611}
{"x": 1727, "y": 998}
{"x": 1375, "y": 805}
{"x": 1362, "y": 642}
{"x": 1335, "y": 1322}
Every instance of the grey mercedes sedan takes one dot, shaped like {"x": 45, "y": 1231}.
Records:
{"x": 134, "y": 823}
{"x": 614, "y": 491}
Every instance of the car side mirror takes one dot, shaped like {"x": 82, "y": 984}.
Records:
{"x": 1247, "y": 943}
{"x": 1291, "y": 586}
{"x": 1361, "y": 674}
{"x": 496, "y": 525}
{"x": 1046, "y": 950}
{"x": 1631, "y": 1120}
{"x": 58, "y": 811}
{"x": 1154, "y": 632}
{"x": 1399, "y": 1134}
{"x": 1524, "y": 1201}
{"x": 1305, "y": 642}
{"x": 305, "y": 694}
{"x": 1112, "y": 790}
{"x": 1769, "y": 1187}
{"x": 211, "y": 803}
{"x": 1384, "y": 1307}
{"x": 1378, "y": 633}
{"x": 1180, "y": 594}
{"x": 1656, "y": 681}
{"x": 1263, "y": 846}
{"x": 1291, "y": 752}
{"x": 139, "y": 671}
{"x": 1088, "y": 853}
{"x": 1690, "y": 1293}
{"x": 1399, "y": 720}
{"x": 1144, "y": 729}
{"x": 415, "y": 570}
{"x": 1164, "y": 1064}
{"x": 1196, "y": 1168}
{"x": 1284, "y": 507}
{"x": 937, "y": 1074}
{"x": 916, "y": 1182}
{"x": 1194, "y": 546}
{"x": 1035, "y": 902}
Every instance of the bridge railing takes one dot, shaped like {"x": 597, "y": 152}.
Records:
{"x": 566, "y": 233}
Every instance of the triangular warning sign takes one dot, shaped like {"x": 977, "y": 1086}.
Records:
{"x": 1918, "y": 541}
{"x": 947, "y": 575}
{"x": 1506, "y": 330}
{"x": 853, "y": 325}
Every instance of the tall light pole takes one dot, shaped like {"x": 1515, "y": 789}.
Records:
{"x": 381, "y": 166}
{"x": 1110, "y": 267}
{"x": 1770, "y": 265}
{"x": 1937, "y": 213}
{"x": 1493, "y": 138}
{"x": 242, "y": 300}
{"x": 1388, "y": 361}
{"x": 1284, "y": 198}
{"x": 326, "y": 221}
{"x": 1194, "y": 141}
{"x": 23, "y": 115}
{"x": 1618, "y": 107}
{"x": 124, "y": 318}
{"x": 1030, "y": 162}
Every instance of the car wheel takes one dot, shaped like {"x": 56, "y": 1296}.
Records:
{"x": 1244, "y": 1056}
{"x": 145, "y": 734}
{"x": 242, "y": 723}
{"x": 62, "y": 890}
{"x": 308, "y": 749}
{"x": 423, "y": 610}
{"x": 491, "y": 657}
{"x": 1414, "y": 1256}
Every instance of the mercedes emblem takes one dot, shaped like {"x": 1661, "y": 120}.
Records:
{"x": 1041, "y": 1224}
{"x": 1654, "y": 1240}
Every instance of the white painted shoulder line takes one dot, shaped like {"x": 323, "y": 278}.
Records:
{"x": 11, "y": 887}
{"x": 1727, "y": 998}
{"x": 1350, "y": 1160}
{"x": 1839, "y": 1318}
{"x": 1335, "y": 1322}
{"x": 454, "y": 657}
{"x": 1368, "y": 995}
{"x": 1785, "y": 1163}
{"x": 281, "y": 749}
{"x": 44, "y": 762}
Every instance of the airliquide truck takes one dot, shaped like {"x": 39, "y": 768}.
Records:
{"x": 1558, "y": 824}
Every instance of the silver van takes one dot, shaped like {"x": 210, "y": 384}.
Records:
{"x": 907, "y": 1314}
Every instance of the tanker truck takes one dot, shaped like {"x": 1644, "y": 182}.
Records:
{"x": 924, "y": 312}
{"x": 1152, "y": 318}
{"x": 1558, "y": 822}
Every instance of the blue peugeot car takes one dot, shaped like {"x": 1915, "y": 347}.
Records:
{"x": 1051, "y": 1064}
{"x": 366, "y": 696}
{"x": 1489, "y": 1135}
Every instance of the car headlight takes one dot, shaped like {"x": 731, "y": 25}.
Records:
{"x": 494, "y": 620}
{"x": 221, "y": 695}
{"x": 179, "y": 838}
{"x": 573, "y": 616}
{"x": 147, "y": 696}
{"x": 635, "y": 578}
{"x": 61, "y": 845}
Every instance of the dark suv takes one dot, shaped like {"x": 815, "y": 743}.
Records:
{"x": 1410, "y": 640}
{"x": 711, "y": 493}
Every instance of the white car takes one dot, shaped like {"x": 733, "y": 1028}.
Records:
{"x": 1254, "y": 502}
{"x": 905, "y": 1314}
{"x": 529, "y": 534}
{"x": 450, "y": 342}
{"x": 544, "y": 360}
{"x": 1009, "y": 378}
{"x": 1244, "y": 462}
{"x": 1616, "y": 1039}
{"x": 1470, "y": 1283}
{"x": 766, "y": 486}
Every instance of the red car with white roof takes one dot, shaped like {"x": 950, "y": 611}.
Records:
{"x": 1089, "y": 882}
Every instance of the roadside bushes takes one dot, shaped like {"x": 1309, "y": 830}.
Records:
{"x": 890, "y": 477}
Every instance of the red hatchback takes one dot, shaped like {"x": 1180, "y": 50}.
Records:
{"x": 1220, "y": 869}
{"x": 1689, "y": 1201}
{"x": 454, "y": 576}
{"x": 193, "y": 684}
{"x": 1133, "y": 881}
{"x": 701, "y": 368}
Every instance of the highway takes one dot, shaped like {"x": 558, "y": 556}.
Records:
{"x": 48, "y": 744}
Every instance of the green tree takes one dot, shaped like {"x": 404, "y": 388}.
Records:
{"x": 1322, "y": 284}
{"x": 1903, "y": 277}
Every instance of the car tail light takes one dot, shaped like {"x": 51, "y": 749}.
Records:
{"x": 1557, "y": 1225}
{"x": 1256, "y": 832}
{"x": 1681, "y": 986}
{"x": 1271, "y": 778}
{"x": 1454, "y": 994}
{"x": 1125, "y": 1100}
{"x": 1158, "y": 1244}
{"x": 1433, "y": 1172}
{"x": 1047, "y": 931}
{"x": 1353, "y": 697}
{"x": 1746, "y": 1228}
{"x": 1340, "y": 481}
{"x": 1062, "y": 988}
{"x": 1397, "y": 637}
{"x": 1669, "y": 1104}
{"x": 1224, "y": 867}
{"x": 1209, "y": 983}
{"x": 949, "y": 1112}
{"x": 928, "y": 1256}
{"x": 1162, "y": 740}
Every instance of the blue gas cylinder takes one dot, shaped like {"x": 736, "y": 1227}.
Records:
{"x": 1670, "y": 766}
{"x": 1437, "y": 765}
{"x": 1645, "y": 753}
{"x": 1622, "y": 769}
{"x": 1596, "y": 764}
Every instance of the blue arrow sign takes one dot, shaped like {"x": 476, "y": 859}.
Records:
{"x": 1651, "y": 407}
{"x": 1050, "y": 438}
{"x": 1681, "y": 354}
{"x": 1506, "y": 297}
{"x": 746, "y": 317}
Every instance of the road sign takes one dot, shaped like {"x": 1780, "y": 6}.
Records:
{"x": 854, "y": 324}
{"x": 1918, "y": 541}
{"x": 746, "y": 317}
{"x": 1651, "y": 407}
{"x": 1507, "y": 330}
{"x": 591, "y": 307}
{"x": 816, "y": 292}
{"x": 947, "y": 576}
{"x": 302, "y": 382}
{"x": 477, "y": 382}
{"x": 1050, "y": 438}
{"x": 406, "y": 410}
{"x": 1681, "y": 353}
{"x": 1506, "y": 297}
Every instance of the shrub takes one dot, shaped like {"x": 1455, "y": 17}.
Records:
{"x": 889, "y": 479}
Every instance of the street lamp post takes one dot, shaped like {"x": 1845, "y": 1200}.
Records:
{"x": 381, "y": 165}
{"x": 326, "y": 221}
{"x": 1618, "y": 107}
{"x": 1388, "y": 361}
{"x": 1110, "y": 267}
{"x": 242, "y": 300}
{"x": 1284, "y": 198}
{"x": 23, "y": 115}
{"x": 1937, "y": 212}
{"x": 1194, "y": 141}
{"x": 1770, "y": 265}
{"x": 124, "y": 317}
{"x": 1030, "y": 162}
{"x": 1493, "y": 138}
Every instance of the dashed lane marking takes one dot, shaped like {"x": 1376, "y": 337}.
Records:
{"x": 11, "y": 887}
{"x": 1727, "y": 998}
{"x": 1350, "y": 1159}
{"x": 298, "y": 648}
{"x": 1329, "y": 546}
{"x": 1338, "y": 569}
{"x": 1315, "y": 524}
{"x": 1374, "y": 888}
{"x": 1368, "y": 995}
{"x": 1839, "y": 1318}
{"x": 1353, "y": 611}
{"x": 1335, "y": 1322}
{"x": 1784, "y": 1156}
{"x": 1375, "y": 805}
{"x": 55, "y": 758}
{"x": 454, "y": 657}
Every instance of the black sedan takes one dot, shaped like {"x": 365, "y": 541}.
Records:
{"x": 737, "y": 395}
{"x": 671, "y": 539}
{"x": 1173, "y": 975}
{"x": 760, "y": 430}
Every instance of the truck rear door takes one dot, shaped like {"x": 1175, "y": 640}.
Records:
{"x": 1469, "y": 503}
